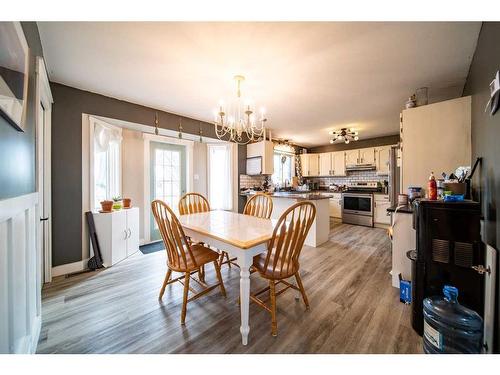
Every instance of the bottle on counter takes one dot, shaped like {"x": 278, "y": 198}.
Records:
{"x": 432, "y": 187}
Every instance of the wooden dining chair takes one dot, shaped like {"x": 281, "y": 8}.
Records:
{"x": 259, "y": 205}
{"x": 192, "y": 203}
{"x": 281, "y": 261}
{"x": 183, "y": 256}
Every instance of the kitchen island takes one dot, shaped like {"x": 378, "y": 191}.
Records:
{"x": 320, "y": 229}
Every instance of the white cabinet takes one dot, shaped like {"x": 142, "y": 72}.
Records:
{"x": 310, "y": 165}
{"x": 118, "y": 234}
{"x": 381, "y": 204}
{"x": 352, "y": 157}
{"x": 265, "y": 150}
{"x": 332, "y": 164}
{"x": 336, "y": 206}
{"x": 338, "y": 163}
{"x": 423, "y": 152}
{"x": 367, "y": 156}
{"x": 325, "y": 164}
{"x": 382, "y": 156}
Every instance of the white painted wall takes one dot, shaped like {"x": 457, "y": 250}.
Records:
{"x": 20, "y": 276}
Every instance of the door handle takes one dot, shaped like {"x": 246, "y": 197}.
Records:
{"x": 126, "y": 235}
{"x": 44, "y": 218}
{"x": 129, "y": 233}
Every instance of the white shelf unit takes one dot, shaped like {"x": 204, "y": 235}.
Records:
{"x": 118, "y": 234}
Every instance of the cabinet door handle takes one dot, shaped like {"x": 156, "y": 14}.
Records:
{"x": 126, "y": 234}
{"x": 129, "y": 233}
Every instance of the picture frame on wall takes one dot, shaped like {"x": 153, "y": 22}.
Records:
{"x": 14, "y": 66}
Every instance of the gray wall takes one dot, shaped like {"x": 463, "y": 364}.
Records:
{"x": 486, "y": 137}
{"x": 69, "y": 104}
{"x": 372, "y": 142}
{"x": 17, "y": 149}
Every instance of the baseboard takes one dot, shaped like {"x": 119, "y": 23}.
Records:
{"x": 36, "y": 334}
{"x": 65, "y": 269}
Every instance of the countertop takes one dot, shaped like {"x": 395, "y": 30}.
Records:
{"x": 404, "y": 210}
{"x": 299, "y": 195}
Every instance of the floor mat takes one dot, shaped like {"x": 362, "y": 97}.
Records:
{"x": 152, "y": 247}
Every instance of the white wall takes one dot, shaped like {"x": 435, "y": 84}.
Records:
{"x": 20, "y": 275}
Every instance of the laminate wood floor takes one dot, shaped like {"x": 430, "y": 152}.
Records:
{"x": 354, "y": 308}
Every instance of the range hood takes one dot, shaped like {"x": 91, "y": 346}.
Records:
{"x": 360, "y": 167}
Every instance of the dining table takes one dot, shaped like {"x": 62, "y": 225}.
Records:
{"x": 241, "y": 236}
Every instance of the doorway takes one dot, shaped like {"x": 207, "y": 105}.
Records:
{"x": 168, "y": 177}
{"x": 43, "y": 133}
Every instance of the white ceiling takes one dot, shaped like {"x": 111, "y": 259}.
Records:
{"x": 311, "y": 77}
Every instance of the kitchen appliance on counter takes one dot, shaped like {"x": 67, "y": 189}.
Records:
{"x": 357, "y": 203}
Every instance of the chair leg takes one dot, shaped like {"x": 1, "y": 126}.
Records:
{"x": 228, "y": 260}
{"x": 302, "y": 290}
{"x": 185, "y": 298}
{"x": 201, "y": 273}
{"x": 272, "y": 292}
{"x": 219, "y": 277}
{"x": 167, "y": 278}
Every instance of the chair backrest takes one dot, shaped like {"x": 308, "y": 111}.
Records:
{"x": 192, "y": 203}
{"x": 260, "y": 205}
{"x": 288, "y": 238}
{"x": 176, "y": 244}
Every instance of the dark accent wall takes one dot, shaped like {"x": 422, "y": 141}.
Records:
{"x": 486, "y": 138}
{"x": 69, "y": 104}
{"x": 17, "y": 149}
{"x": 372, "y": 142}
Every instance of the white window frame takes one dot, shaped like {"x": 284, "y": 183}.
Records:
{"x": 92, "y": 120}
{"x": 292, "y": 164}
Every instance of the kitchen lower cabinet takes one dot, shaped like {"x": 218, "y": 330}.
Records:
{"x": 117, "y": 234}
{"x": 380, "y": 206}
{"x": 335, "y": 205}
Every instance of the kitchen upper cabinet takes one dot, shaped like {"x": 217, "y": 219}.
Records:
{"x": 332, "y": 164}
{"x": 367, "y": 156}
{"x": 382, "y": 156}
{"x": 264, "y": 150}
{"x": 338, "y": 163}
{"x": 310, "y": 165}
{"x": 325, "y": 164}
{"x": 352, "y": 157}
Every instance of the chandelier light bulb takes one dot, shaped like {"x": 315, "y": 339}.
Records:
{"x": 331, "y": 141}
{"x": 356, "y": 138}
{"x": 346, "y": 141}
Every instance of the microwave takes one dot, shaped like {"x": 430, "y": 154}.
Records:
{"x": 254, "y": 166}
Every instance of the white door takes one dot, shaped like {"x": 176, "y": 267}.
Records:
{"x": 325, "y": 164}
{"x": 43, "y": 134}
{"x": 119, "y": 234}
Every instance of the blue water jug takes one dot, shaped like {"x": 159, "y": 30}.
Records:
{"x": 450, "y": 327}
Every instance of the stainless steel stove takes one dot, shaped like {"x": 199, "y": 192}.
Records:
{"x": 357, "y": 203}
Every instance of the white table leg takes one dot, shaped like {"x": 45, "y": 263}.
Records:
{"x": 244, "y": 302}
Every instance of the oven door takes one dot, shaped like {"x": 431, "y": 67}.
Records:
{"x": 357, "y": 204}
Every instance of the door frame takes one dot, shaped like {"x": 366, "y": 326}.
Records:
{"x": 148, "y": 138}
{"x": 44, "y": 97}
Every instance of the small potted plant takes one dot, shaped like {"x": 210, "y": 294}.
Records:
{"x": 117, "y": 203}
{"x": 126, "y": 202}
{"x": 107, "y": 206}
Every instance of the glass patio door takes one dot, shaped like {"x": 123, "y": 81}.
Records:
{"x": 168, "y": 177}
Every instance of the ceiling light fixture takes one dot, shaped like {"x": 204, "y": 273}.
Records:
{"x": 345, "y": 134}
{"x": 238, "y": 119}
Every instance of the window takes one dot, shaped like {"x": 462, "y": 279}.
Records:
{"x": 220, "y": 186}
{"x": 283, "y": 168}
{"x": 106, "y": 162}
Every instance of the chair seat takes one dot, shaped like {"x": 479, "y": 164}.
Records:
{"x": 288, "y": 268}
{"x": 202, "y": 254}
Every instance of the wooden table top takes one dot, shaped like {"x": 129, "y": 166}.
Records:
{"x": 239, "y": 230}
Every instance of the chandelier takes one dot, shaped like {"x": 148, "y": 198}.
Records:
{"x": 345, "y": 134}
{"x": 237, "y": 121}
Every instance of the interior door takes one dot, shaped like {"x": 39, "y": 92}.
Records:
{"x": 168, "y": 177}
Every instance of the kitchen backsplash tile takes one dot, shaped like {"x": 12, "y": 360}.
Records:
{"x": 247, "y": 181}
{"x": 351, "y": 176}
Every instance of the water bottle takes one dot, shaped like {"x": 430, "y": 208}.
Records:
{"x": 450, "y": 327}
